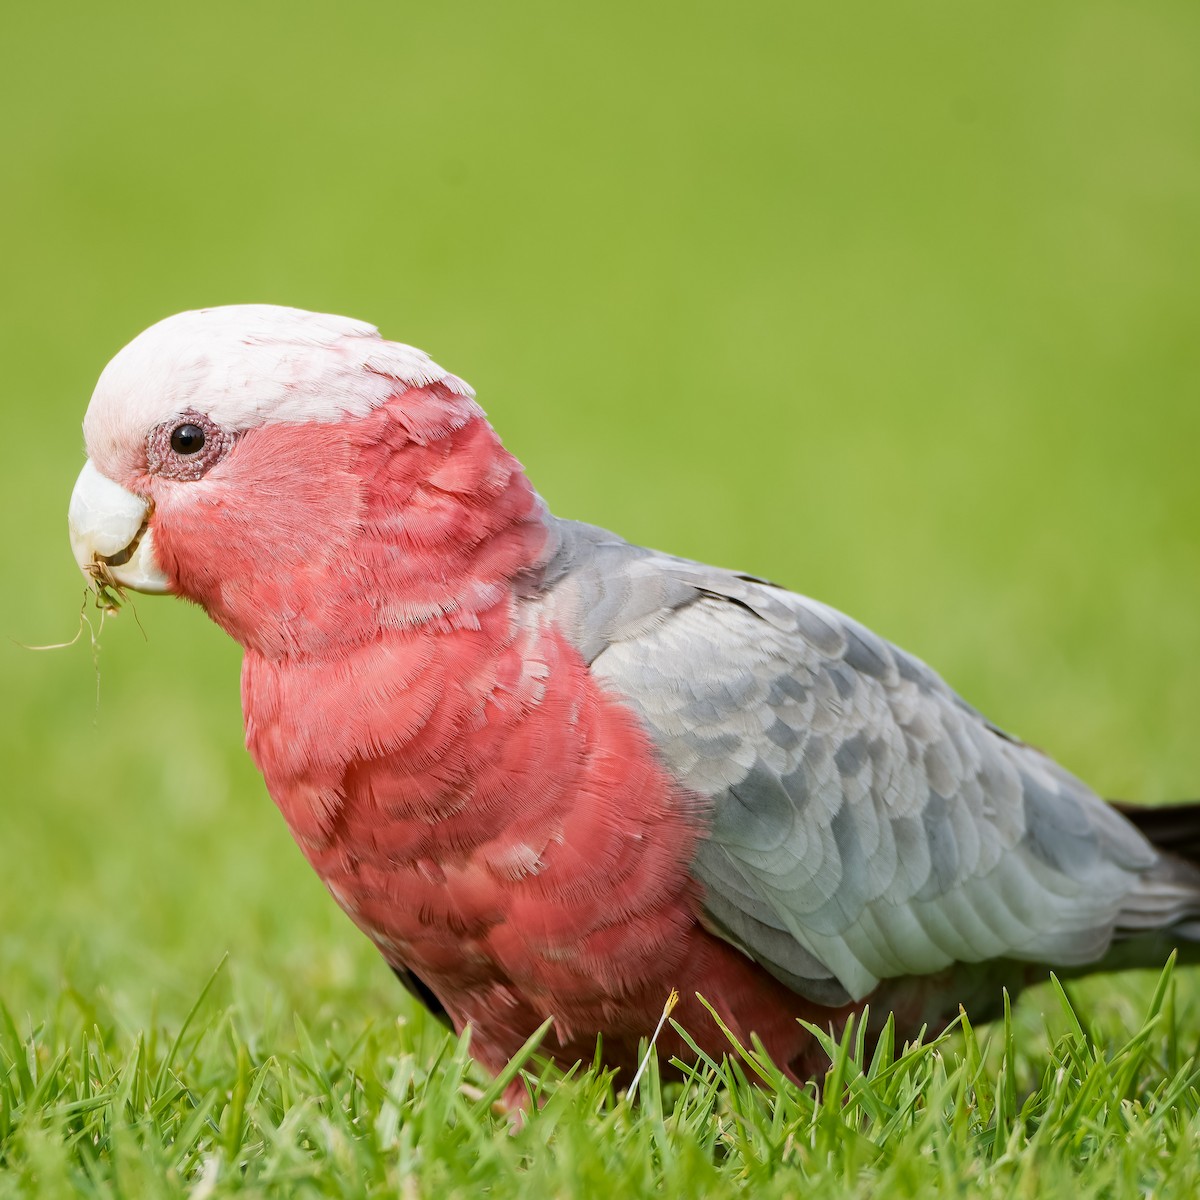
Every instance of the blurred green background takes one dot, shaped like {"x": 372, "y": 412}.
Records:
{"x": 894, "y": 303}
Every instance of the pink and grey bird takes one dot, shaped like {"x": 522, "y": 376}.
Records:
{"x": 552, "y": 774}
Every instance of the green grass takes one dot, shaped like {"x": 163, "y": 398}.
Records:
{"x": 271, "y": 1110}
{"x": 895, "y": 304}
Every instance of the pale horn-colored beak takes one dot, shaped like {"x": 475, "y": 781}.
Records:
{"x": 110, "y": 535}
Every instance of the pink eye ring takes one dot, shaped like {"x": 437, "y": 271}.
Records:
{"x": 186, "y": 446}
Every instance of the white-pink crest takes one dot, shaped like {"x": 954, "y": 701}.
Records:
{"x": 247, "y": 365}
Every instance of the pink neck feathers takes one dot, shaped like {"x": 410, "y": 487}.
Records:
{"x": 314, "y": 538}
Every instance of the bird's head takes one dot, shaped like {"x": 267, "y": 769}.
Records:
{"x": 298, "y": 476}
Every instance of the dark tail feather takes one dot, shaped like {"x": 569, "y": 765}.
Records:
{"x": 1174, "y": 828}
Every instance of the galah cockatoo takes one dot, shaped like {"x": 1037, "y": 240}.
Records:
{"x": 552, "y": 774}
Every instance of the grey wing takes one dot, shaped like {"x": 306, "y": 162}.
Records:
{"x": 866, "y": 823}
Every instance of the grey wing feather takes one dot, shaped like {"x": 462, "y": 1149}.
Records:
{"x": 866, "y": 822}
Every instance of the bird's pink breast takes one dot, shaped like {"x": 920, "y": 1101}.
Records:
{"x": 499, "y": 825}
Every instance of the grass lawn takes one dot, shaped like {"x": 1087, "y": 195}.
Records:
{"x": 894, "y": 304}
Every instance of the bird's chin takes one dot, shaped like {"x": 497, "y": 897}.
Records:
{"x": 111, "y": 538}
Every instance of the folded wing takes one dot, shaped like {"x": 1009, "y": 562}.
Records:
{"x": 866, "y": 823}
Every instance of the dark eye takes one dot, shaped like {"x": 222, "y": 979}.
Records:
{"x": 185, "y": 446}
{"x": 187, "y": 439}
